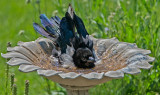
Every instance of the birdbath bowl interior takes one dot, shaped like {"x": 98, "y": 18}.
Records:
{"x": 114, "y": 59}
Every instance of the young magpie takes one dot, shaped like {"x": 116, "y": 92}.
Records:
{"x": 63, "y": 32}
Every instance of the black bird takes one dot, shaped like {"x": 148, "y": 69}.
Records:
{"x": 63, "y": 33}
{"x": 83, "y": 56}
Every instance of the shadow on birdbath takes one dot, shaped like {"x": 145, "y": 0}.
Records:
{"x": 115, "y": 59}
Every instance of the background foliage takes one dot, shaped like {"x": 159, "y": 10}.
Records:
{"x": 134, "y": 21}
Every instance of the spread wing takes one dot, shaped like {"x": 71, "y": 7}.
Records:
{"x": 42, "y": 31}
{"x": 66, "y": 29}
{"x": 51, "y": 27}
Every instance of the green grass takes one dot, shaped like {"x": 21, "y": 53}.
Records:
{"x": 134, "y": 21}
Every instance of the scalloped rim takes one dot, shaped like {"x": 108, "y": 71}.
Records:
{"x": 93, "y": 75}
{"x": 129, "y": 69}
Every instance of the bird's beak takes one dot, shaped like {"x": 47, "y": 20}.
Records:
{"x": 70, "y": 11}
{"x": 91, "y": 60}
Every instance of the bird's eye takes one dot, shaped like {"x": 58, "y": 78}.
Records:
{"x": 83, "y": 59}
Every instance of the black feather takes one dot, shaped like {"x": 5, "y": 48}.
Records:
{"x": 67, "y": 32}
{"x": 80, "y": 26}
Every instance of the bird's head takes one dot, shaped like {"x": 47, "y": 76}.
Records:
{"x": 83, "y": 58}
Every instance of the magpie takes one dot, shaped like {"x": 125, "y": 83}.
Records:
{"x": 69, "y": 31}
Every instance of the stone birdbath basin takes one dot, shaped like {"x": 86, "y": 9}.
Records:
{"x": 114, "y": 60}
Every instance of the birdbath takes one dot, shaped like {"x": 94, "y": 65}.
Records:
{"x": 115, "y": 59}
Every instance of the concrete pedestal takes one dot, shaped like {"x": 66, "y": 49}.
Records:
{"x": 77, "y": 90}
